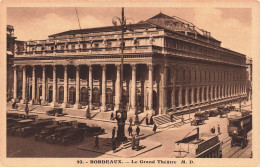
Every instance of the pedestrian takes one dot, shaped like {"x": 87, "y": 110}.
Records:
{"x": 154, "y": 128}
{"x": 114, "y": 145}
{"x": 137, "y": 130}
{"x": 213, "y": 130}
{"x": 130, "y": 120}
{"x": 151, "y": 120}
{"x": 112, "y": 116}
{"x": 147, "y": 120}
{"x": 130, "y": 130}
{"x": 96, "y": 143}
{"x": 133, "y": 142}
{"x": 171, "y": 117}
{"x": 218, "y": 129}
{"x": 113, "y": 132}
{"x": 26, "y": 109}
{"x": 136, "y": 120}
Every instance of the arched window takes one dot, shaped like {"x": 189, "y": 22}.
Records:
{"x": 96, "y": 97}
{"x": 61, "y": 94}
{"x": 84, "y": 96}
{"x": 72, "y": 95}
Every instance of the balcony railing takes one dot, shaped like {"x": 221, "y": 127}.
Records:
{"x": 92, "y": 51}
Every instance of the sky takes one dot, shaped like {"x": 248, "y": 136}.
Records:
{"x": 232, "y": 26}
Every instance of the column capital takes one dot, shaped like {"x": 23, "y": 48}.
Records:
{"x": 14, "y": 67}
{"x": 77, "y": 67}
{"x": 133, "y": 67}
{"x": 90, "y": 68}
{"x": 33, "y": 67}
{"x": 104, "y": 67}
{"x": 65, "y": 67}
{"x": 54, "y": 67}
{"x": 150, "y": 67}
{"x": 118, "y": 65}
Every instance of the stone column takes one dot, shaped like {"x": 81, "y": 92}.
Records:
{"x": 198, "y": 95}
{"x": 65, "y": 100}
{"x": 24, "y": 86}
{"x": 43, "y": 102}
{"x": 103, "y": 99}
{"x": 223, "y": 88}
{"x": 211, "y": 93}
{"x": 133, "y": 89}
{"x": 163, "y": 90}
{"x": 207, "y": 93}
{"x": 77, "y": 105}
{"x": 180, "y": 97}
{"x": 150, "y": 89}
{"x": 33, "y": 85}
{"x": 173, "y": 73}
{"x": 187, "y": 96}
{"x": 54, "y": 83}
{"x": 202, "y": 94}
{"x": 192, "y": 95}
{"x": 15, "y": 83}
{"x": 90, "y": 86}
{"x": 117, "y": 88}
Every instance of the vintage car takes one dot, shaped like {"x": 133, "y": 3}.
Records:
{"x": 19, "y": 124}
{"x": 12, "y": 115}
{"x": 34, "y": 117}
{"x": 197, "y": 121}
{"x": 73, "y": 135}
{"x": 202, "y": 115}
{"x": 69, "y": 123}
{"x": 46, "y": 131}
{"x": 57, "y": 135}
{"x": 94, "y": 130}
{"x": 55, "y": 111}
{"x": 34, "y": 127}
{"x": 212, "y": 113}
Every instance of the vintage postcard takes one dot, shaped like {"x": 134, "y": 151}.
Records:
{"x": 109, "y": 83}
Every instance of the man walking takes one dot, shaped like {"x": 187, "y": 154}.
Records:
{"x": 113, "y": 132}
{"x": 114, "y": 145}
{"x": 130, "y": 120}
{"x": 137, "y": 130}
{"x": 96, "y": 143}
{"x": 112, "y": 116}
{"x": 218, "y": 129}
{"x": 154, "y": 128}
{"x": 26, "y": 109}
{"x": 130, "y": 130}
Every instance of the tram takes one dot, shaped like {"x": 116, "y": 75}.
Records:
{"x": 239, "y": 124}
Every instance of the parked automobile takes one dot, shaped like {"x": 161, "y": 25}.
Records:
{"x": 34, "y": 127}
{"x": 46, "y": 131}
{"x": 56, "y": 136}
{"x": 212, "y": 113}
{"x": 94, "y": 130}
{"x": 54, "y": 111}
{"x": 20, "y": 124}
{"x": 73, "y": 135}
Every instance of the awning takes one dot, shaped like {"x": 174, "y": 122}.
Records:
{"x": 9, "y": 53}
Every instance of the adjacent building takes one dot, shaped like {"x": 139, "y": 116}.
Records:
{"x": 12, "y": 44}
{"x": 169, "y": 65}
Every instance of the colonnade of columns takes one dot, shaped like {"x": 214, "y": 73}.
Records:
{"x": 212, "y": 92}
{"x": 90, "y": 87}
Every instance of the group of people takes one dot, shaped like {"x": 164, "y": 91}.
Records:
{"x": 147, "y": 120}
{"x": 130, "y": 130}
{"x": 213, "y": 130}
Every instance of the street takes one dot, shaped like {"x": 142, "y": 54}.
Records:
{"x": 28, "y": 147}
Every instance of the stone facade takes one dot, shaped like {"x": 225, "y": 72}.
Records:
{"x": 165, "y": 68}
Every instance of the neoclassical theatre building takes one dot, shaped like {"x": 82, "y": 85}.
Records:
{"x": 169, "y": 64}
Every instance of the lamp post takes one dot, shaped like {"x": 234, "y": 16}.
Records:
{"x": 121, "y": 114}
{"x": 88, "y": 110}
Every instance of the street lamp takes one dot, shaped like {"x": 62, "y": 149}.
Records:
{"x": 88, "y": 110}
{"x": 121, "y": 114}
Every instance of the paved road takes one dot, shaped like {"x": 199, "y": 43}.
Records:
{"x": 27, "y": 147}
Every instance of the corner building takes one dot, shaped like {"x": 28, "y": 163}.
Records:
{"x": 169, "y": 64}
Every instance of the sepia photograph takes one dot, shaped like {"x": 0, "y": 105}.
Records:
{"x": 129, "y": 85}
